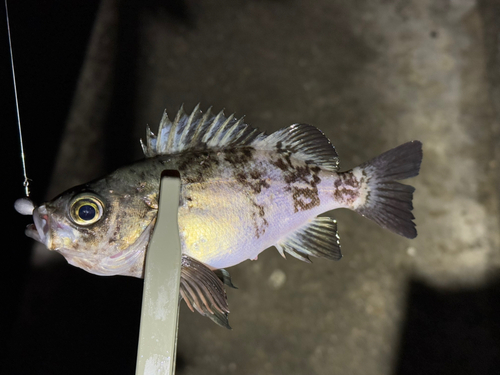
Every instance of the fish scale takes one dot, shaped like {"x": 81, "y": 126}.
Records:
{"x": 261, "y": 196}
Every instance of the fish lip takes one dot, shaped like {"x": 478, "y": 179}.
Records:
{"x": 32, "y": 232}
{"x": 39, "y": 231}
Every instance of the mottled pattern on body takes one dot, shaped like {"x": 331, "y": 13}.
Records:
{"x": 258, "y": 191}
{"x": 350, "y": 188}
{"x": 301, "y": 177}
{"x": 207, "y": 171}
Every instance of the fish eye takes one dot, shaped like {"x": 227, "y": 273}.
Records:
{"x": 86, "y": 209}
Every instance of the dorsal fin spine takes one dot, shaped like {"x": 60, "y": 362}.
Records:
{"x": 164, "y": 124}
{"x": 198, "y": 132}
{"x": 233, "y": 129}
{"x": 150, "y": 140}
{"x": 173, "y": 128}
{"x": 251, "y": 135}
{"x": 194, "y": 115}
{"x": 215, "y": 138}
{"x": 207, "y": 136}
{"x": 228, "y": 120}
{"x": 144, "y": 149}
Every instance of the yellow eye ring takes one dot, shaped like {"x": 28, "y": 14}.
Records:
{"x": 86, "y": 209}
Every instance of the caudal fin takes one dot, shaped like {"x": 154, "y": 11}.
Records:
{"x": 389, "y": 203}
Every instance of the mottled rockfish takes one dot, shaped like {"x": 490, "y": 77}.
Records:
{"x": 242, "y": 191}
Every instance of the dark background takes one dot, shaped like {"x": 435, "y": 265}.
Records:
{"x": 370, "y": 74}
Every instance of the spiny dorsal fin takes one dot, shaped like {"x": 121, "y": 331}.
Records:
{"x": 303, "y": 142}
{"x": 198, "y": 131}
{"x": 318, "y": 238}
{"x": 203, "y": 291}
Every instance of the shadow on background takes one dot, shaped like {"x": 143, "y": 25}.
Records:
{"x": 451, "y": 332}
{"x": 49, "y": 43}
{"x": 121, "y": 115}
{"x": 58, "y": 319}
{"x": 72, "y": 322}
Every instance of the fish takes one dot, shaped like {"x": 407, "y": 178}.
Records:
{"x": 242, "y": 191}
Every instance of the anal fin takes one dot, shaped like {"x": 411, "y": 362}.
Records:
{"x": 203, "y": 291}
{"x": 317, "y": 238}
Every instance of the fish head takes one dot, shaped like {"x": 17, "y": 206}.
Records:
{"x": 101, "y": 227}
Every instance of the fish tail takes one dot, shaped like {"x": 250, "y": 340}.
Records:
{"x": 387, "y": 202}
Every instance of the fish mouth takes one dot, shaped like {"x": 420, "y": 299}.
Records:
{"x": 39, "y": 231}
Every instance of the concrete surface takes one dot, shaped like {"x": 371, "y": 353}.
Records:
{"x": 371, "y": 75}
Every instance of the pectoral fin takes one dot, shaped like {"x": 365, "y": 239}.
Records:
{"x": 318, "y": 238}
{"x": 203, "y": 291}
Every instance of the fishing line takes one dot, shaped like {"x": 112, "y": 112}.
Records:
{"x": 26, "y": 180}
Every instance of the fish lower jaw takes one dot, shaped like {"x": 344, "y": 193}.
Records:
{"x": 38, "y": 235}
{"x": 31, "y": 232}
{"x": 39, "y": 230}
